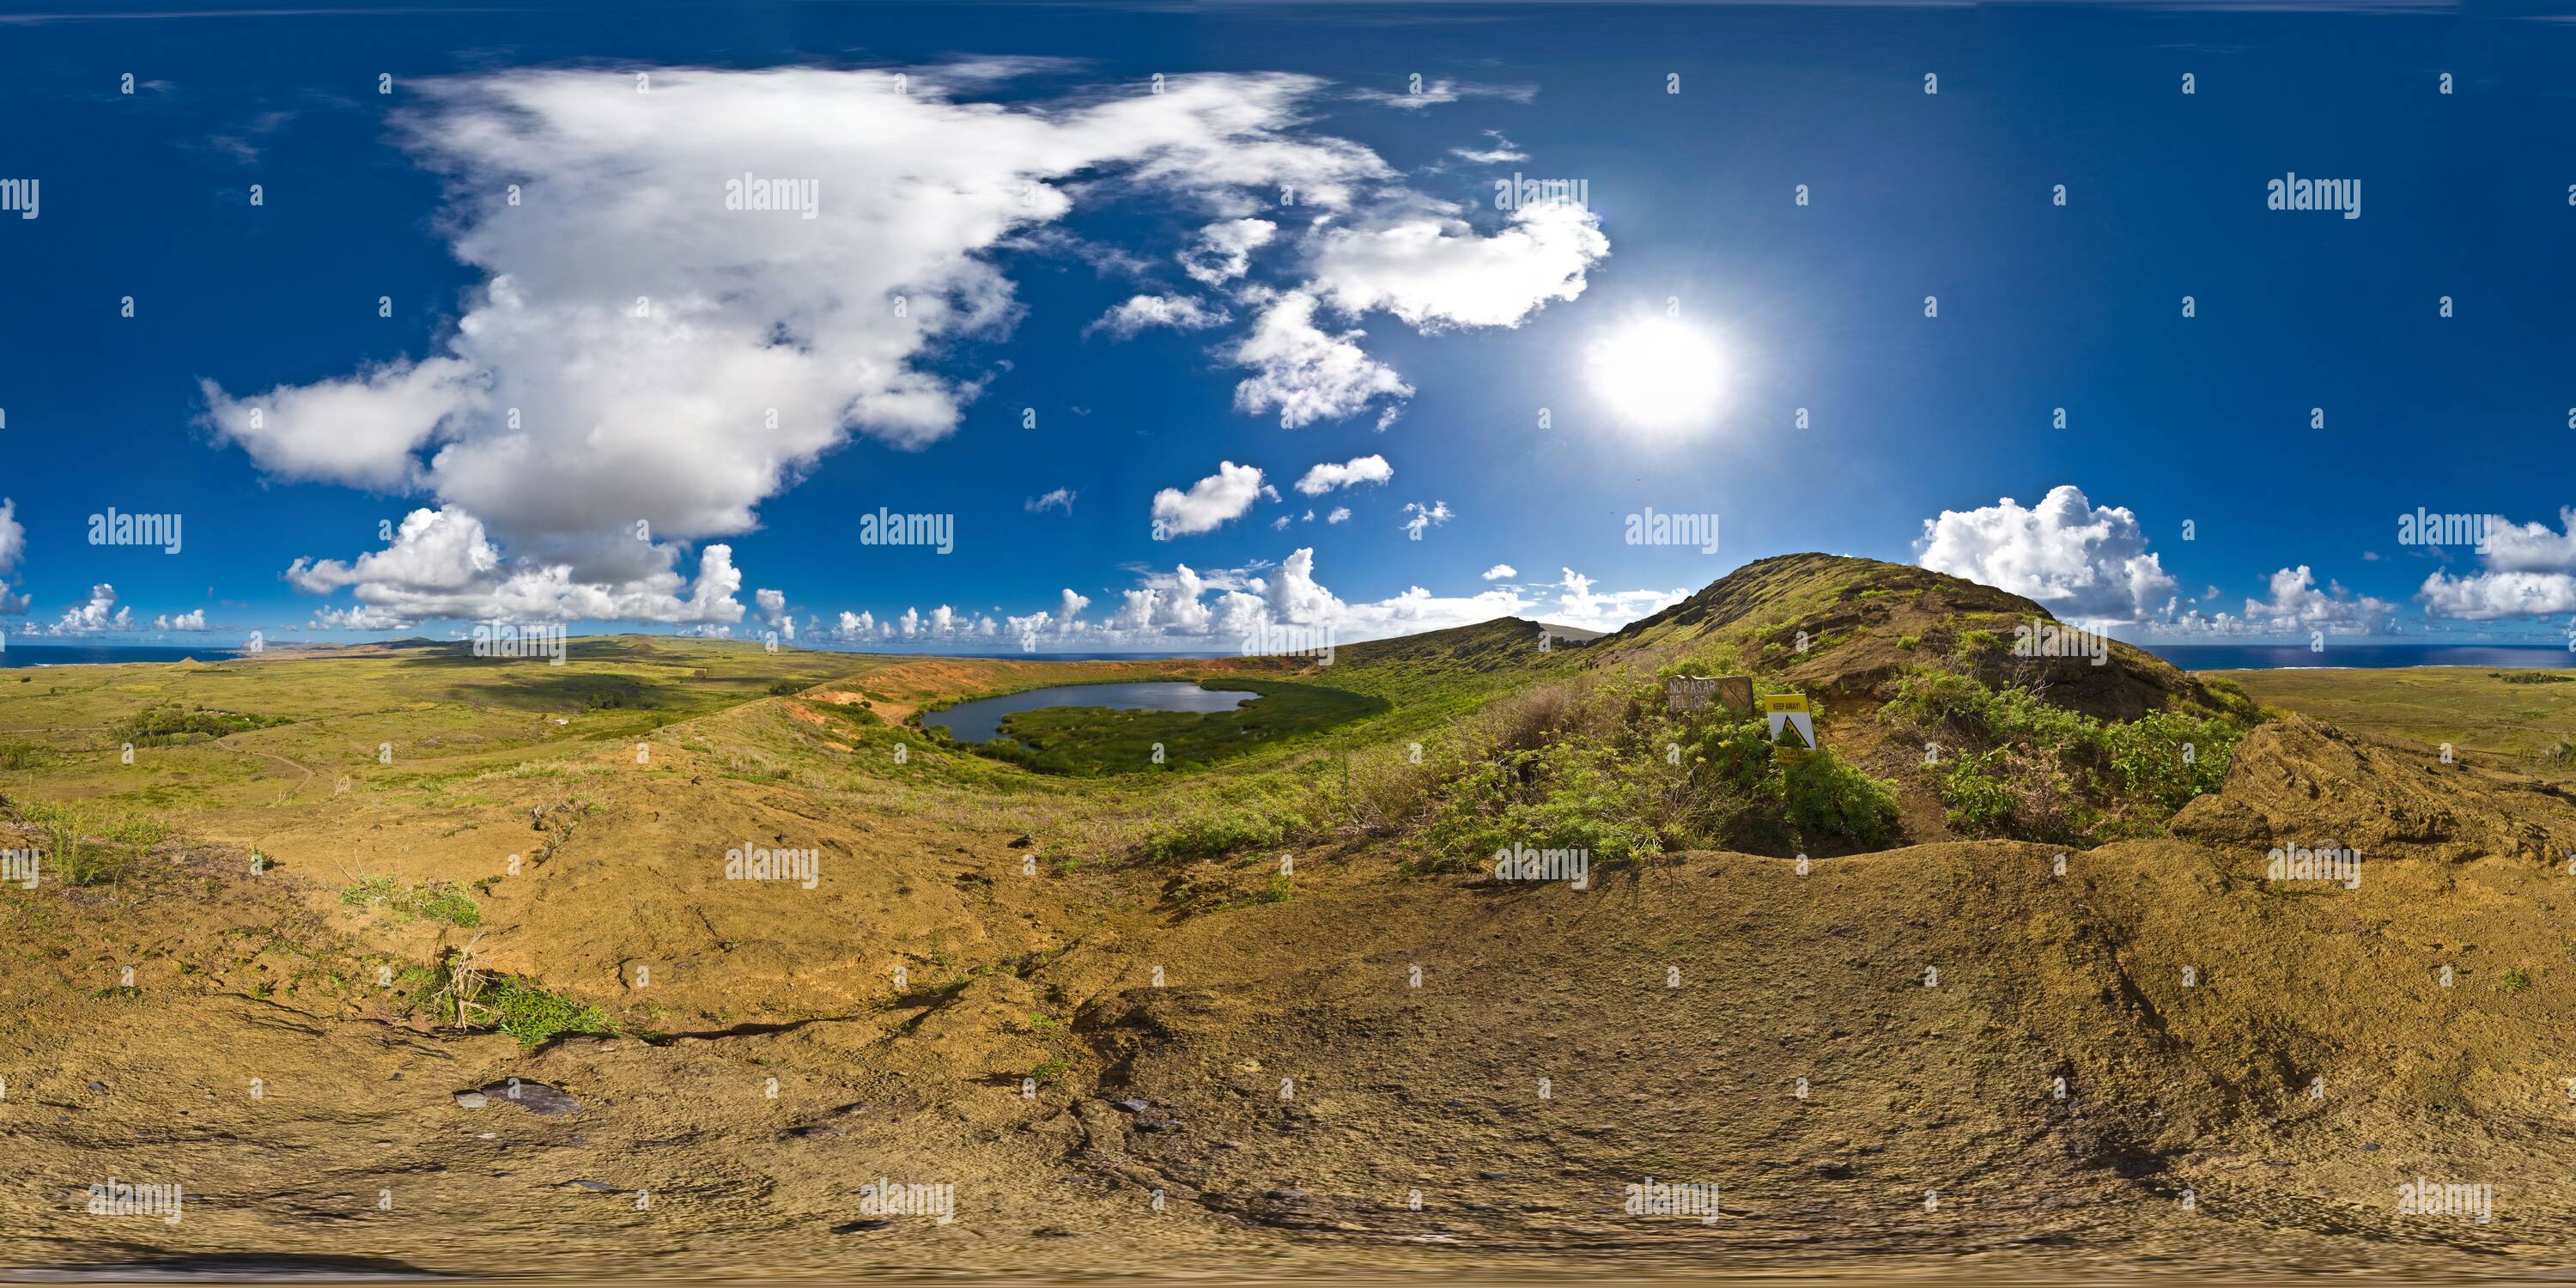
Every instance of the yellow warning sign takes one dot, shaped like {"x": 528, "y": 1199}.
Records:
{"x": 1793, "y": 727}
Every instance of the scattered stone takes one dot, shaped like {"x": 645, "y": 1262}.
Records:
{"x": 1292, "y": 1194}
{"x": 470, "y": 1100}
{"x": 1024, "y": 842}
{"x": 595, "y": 1187}
{"x": 535, "y": 1097}
{"x": 1134, "y": 1106}
{"x": 98, "y": 1086}
{"x": 862, "y": 1227}
{"x": 1492, "y": 1176}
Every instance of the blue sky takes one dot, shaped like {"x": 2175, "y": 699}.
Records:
{"x": 1525, "y": 380}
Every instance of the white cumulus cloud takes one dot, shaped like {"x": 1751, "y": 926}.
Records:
{"x": 1209, "y": 503}
{"x": 1138, "y": 312}
{"x": 2077, "y": 559}
{"x": 1327, "y": 476}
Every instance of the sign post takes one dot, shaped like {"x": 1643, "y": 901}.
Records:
{"x": 1793, "y": 727}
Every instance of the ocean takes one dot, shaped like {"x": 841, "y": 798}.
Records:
{"x": 2281, "y": 657}
{"x": 77, "y": 654}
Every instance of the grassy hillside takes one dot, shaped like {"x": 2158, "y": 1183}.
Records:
{"x": 2523, "y": 719}
{"x": 1282, "y": 992}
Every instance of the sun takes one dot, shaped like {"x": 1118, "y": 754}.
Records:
{"x": 1658, "y": 373}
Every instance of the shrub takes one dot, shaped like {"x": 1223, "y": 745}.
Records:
{"x": 1829, "y": 797}
{"x": 2030, "y": 769}
{"x": 1979, "y": 803}
{"x": 1220, "y": 831}
{"x": 536, "y": 1016}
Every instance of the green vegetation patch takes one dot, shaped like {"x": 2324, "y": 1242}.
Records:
{"x": 536, "y": 1016}
{"x": 91, "y": 844}
{"x": 2012, "y": 764}
{"x": 435, "y": 900}
{"x": 163, "y": 723}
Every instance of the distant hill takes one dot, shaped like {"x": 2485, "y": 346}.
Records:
{"x": 1845, "y": 626}
{"x": 1827, "y": 624}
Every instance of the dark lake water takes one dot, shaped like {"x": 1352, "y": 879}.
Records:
{"x": 2260, "y": 657}
{"x": 979, "y": 720}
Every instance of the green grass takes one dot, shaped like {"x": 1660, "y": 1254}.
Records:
{"x": 2508, "y": 716}
{"x": 92, "y": 843}
{"x": 1094, "y": 741}
{"x": 436, "y": 900}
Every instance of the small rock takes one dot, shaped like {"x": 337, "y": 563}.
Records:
{"x": 471, "y": 1100}
{"x": 861, "y": 1227}
{"x": 1134, "y": 1106}
{"x": 1292, "y": 1194}
{"x": 1492, "y": 1176}
{"x": 98, "y": 1086}
{"x": 535, "y": 1097}
{"x": 1024, "y": 842}
{"x": 595, "y": 1187}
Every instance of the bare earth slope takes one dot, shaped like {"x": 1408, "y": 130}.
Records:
{"x": 2155, "y": 1059}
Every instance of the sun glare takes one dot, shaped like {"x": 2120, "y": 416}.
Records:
{"x": 1657, "y": 374}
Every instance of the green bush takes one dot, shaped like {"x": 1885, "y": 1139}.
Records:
{"x": 2025, "y": 767}
{"x": 1220, "y": 831}
{"x": 535, "y": 1016}
{"x": 1978, "y": 802}
{"x": 1828, "y": 797}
